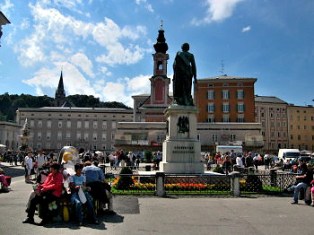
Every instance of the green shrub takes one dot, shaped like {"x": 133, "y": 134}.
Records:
{"x": 125, "y": 180}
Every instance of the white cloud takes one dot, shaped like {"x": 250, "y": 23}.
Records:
{"x": 61, "y": 32}
{"x": 104, "y": 70}
{"x": 139, "y": 84}
{"x": 74, "y": 82}
{"x": 122, "y": 89}
{"x": 82, "y": 61}
{"x": 25, "y": 24}
{"x": 217, "y": 11}
{"x": 83, "y": 50}
{"x": 43, "y": 78}
{"x": 246, "y": 29}
{"x": 69, "y": 4}
{"x": 120, "y": 55}
{"x": 6, "y": 7}
{"x": 31, "y": 49}
{"x": 145, "y": 4}
{"x": 46, "y": 80}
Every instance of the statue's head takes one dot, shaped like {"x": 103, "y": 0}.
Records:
{"x": 185, "y": 47}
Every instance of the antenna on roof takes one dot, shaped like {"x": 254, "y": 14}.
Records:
{"x": 222, "y": 71}
{"x": 161, "y": 24}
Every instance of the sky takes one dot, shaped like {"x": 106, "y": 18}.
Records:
{"x": 104, "y": 47}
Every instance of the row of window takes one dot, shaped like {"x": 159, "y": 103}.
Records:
{"x": 60, "y": 145}
{"x": 225, "y": 118}
{"x": 275, "y": 124}
{"x": 240, "y": 107}
{"x": 303, "y": 146}
{"x": 79, "y": 124}
{"x": 298, "y": 127}
{"x": 79, "y": 136}
{"x": 225, "y": 137}
{"x": 225, "y": 94}
{"x": 302, "y": 137}
{"x": 79, "y": 115}
{"x": 299, "y": 118}
{"x": 272, "y": 115}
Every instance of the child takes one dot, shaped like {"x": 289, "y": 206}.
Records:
{"x": 77, "y": 185}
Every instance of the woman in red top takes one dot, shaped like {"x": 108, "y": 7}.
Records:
{"x": 49, "y": 191}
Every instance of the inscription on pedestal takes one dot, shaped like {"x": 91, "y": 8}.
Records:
{"x": 183, "y": 149}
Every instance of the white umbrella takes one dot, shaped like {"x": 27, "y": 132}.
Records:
{"x": 2, "y": 146}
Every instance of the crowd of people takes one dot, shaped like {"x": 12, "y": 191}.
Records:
{"x": 231, "y": 160}
{"x": 54, "y": 181}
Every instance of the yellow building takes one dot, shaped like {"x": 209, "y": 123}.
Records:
{"x": 301, "y": 127}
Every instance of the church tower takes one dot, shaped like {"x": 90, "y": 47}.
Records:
{"x": 150, "y": 108}
{"x": 159, "y": 80}
{"x": 60, "y": 98}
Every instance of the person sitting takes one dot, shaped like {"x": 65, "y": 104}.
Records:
{"x": 46, "y": 193}
{"x": 4, "y": 181}
{"x": 80, "y": 196}
{"x": 302, "y": 181}
{"x": 100, "y": 190}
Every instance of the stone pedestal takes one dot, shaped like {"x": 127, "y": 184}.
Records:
{"x": 181, "y": 149}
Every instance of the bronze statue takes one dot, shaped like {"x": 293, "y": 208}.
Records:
{"x": 184, "y": 70}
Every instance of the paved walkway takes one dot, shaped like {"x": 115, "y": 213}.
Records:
{"x": 184, "y": 215}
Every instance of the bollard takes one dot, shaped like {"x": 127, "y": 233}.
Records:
{"x": 273, "y": 177}
{"x": 160, "y": 184}
{"x": 235, "y": 183}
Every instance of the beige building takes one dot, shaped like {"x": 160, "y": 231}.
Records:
{"x": 271, "y": 112}
{"x": 9, "y": 134}
{"x": 51, "y": 128}
{"x": 301, "y": 127}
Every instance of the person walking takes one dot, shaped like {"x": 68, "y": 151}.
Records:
{"x": 28, "y": 165}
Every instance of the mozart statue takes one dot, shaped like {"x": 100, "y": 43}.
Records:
{"x": 184, "y": 70}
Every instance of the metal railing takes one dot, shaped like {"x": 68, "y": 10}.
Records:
{"x": 161, "y": 184}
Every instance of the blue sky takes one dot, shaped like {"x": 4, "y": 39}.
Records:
{"x": 105, "y": 47}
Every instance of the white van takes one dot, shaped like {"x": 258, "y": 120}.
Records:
{"x": 291, "y": 154}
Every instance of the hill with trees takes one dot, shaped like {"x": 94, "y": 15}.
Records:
{"x": 10, "y": 103}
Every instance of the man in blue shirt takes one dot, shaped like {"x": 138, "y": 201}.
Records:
{"x": 100, "y": 190}
{"x": 93, "y": 173}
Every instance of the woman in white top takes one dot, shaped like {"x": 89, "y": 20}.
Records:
{"x": 28, "y": 162}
